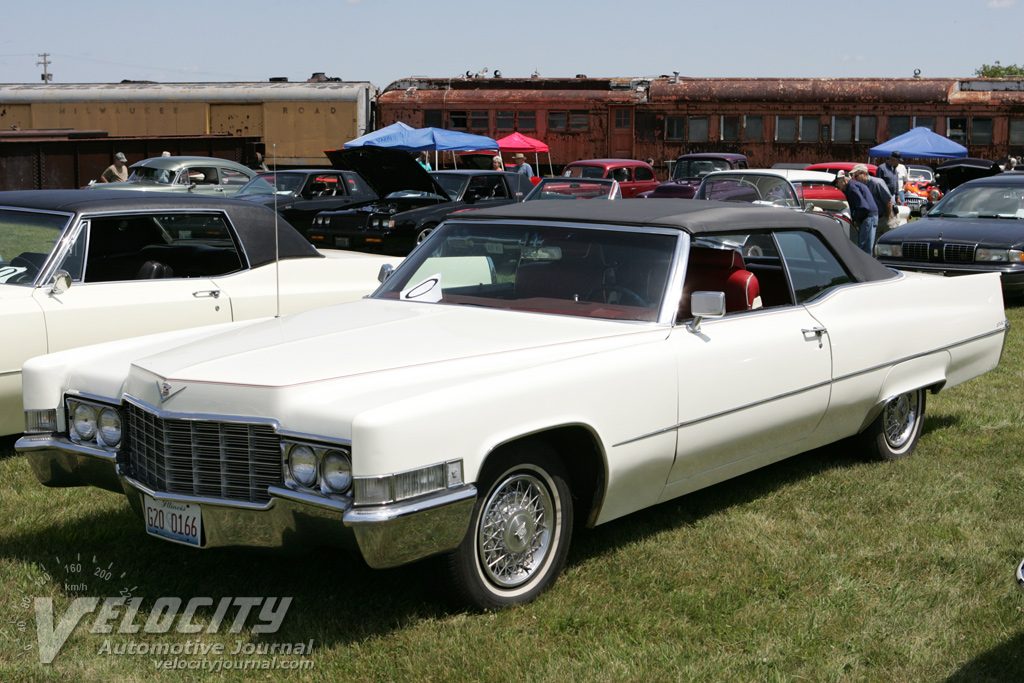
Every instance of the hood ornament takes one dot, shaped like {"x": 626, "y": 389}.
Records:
{"x": 167, "y": 391}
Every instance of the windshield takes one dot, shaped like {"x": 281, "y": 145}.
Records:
{"x": 451, "y": 182}
{"x": 697, "y": 168}
{"x": 26, "y": 240}
{"x": 286, "y": 184}
{"x": 749, "y": 187}
{"x": 149, "y": 174}
{"x": 561, "y": 188}
{"x": 921, "y": 174}
{"x": 982, "y": 201}
{"x": 583, "y": 171}
{"x": 614, "y": 274}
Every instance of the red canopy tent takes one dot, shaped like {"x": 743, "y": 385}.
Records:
{"x": 517, "y": 142}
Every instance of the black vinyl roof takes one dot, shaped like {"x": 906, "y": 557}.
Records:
{"x": 253, "y": 222}
{"x": 697, "y": 217}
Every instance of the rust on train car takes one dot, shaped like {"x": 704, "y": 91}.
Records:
{"x": 64, "y": 159}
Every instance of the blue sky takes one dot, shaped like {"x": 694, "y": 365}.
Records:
{"x": 384, "y": 40}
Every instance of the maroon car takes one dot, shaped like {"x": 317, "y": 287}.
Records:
{"x": 689, "y": 169}
{"x": 633, "y": 176}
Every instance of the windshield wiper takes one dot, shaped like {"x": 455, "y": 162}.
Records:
{"x": 999, "y": 215}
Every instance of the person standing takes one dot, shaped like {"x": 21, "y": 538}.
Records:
{"x": 424, "y": 161}
{"x": 522, "y": 166}
{"x": 496, "y": 163}
{"x": 117, "y": 172}
{"x": 883, "y": 199}
{"x": 888, "y": 173}
{"x": 862, "y": 207}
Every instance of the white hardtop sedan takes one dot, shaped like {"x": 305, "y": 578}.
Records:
{"x": 80, "y": 267}
{"x": 526, "y": 370}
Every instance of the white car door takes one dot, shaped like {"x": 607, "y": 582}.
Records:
{"x": 120, "y": 291}
{"x": 749, "y": 385}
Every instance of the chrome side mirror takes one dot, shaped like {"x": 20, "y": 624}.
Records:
{"x": 385, "y": 272}
{"x": 61, "y": 282}
{"x": 705, "y": 305}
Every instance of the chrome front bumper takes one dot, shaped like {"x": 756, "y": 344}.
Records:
{"x": 385, "y": 535}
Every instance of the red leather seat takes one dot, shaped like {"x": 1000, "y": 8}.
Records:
{"x": 720, "y": 270}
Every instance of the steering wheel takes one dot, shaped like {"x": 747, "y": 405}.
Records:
{"x": 32, "y": 269}
{"x": 628, "y": 296}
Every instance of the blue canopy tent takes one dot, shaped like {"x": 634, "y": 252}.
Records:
{"x": 425, "y": 140}
{"x": 920, "y": 143}
{"x": 369, "y": 138}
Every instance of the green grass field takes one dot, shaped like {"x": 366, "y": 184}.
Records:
{"x": 820, "y": 568}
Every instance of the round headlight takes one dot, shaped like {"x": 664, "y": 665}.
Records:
{"x": 302, "y": 463}
{"x": 337, "y": 471}
{"x": 83, "y": 421}
{"x": 109, "y": 425}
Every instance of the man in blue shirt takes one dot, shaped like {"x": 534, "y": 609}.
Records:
{"x": 889, "y": 175}
{"x": 863, "y": 209}
{"x": 522, "y": 166}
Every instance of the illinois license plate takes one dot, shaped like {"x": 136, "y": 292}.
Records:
{"x": 341, "y": 241}
{"x": 181, "y": 522}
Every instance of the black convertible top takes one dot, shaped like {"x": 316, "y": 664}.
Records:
{"x": 253, "y": 222}
{"x": 695, "y": 216}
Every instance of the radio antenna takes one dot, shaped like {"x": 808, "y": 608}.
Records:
{"x": 277, "y": 242}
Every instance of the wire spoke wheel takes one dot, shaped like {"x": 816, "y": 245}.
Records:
{"x": 514, "y": 535}
{"x": 519, "y": 535}
{"x": 899, "y": 418}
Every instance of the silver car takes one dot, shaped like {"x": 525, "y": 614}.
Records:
{"x": 203, "y": 175}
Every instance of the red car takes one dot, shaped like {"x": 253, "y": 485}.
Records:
{"x": 633, "y": 176}
{"x": 834, "y": 166}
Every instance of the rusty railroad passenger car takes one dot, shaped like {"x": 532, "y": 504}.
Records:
{"x": 770, "y": 120}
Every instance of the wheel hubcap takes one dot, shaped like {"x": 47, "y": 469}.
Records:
{"x": 900, "y": 418}
{"x": 515, "y": 532}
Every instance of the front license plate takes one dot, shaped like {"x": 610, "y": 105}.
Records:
{"x": 181, "y": 522}
{"x": 341, "y": 241}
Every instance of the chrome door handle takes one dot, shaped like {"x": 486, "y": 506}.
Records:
{"x": 817, "y": 332}
{"x": 208, "y": 293}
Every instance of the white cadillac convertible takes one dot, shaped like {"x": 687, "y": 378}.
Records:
{"x": 527, "y": 369}
{"x": 80, "y": 267}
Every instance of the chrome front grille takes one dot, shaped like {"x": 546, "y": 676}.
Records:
{"x": 958, "y": 253}
{"x": 915, "y": 251}
{"x": 229, "y": 460}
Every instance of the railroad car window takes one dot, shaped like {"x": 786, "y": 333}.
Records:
{"x": 866, "y": 127}
{"x": 753, "y": 127}
{"x": 646, "y": 126}
{"x": 505, "y": 120}
{"x": 623, "y": 119}
{"x": 898, "y": 125}
{"x": 1017, "y": 131}
{"x": 808, "y": 129}
{"x": 730, "y": 126}
{"x": 698, "y": 129}
{"x": 957, "y": 129}
{"x": 457, "y": 120}
{"x": 558, "y": 120}
{"x": 433, "y": 118}
{"x": 842, "y": 129}
{"x": 981, "y": 131}
{"x": 785, "y": 129}
{"x": 526, "y": 120}
{"x": 675, "y": 128}
{"x": 580, "y": 120}
{"x": 925, "y": 122}
{"x": 479, "y": 120}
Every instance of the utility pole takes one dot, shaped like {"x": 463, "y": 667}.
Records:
{"x": 46, "y": 75}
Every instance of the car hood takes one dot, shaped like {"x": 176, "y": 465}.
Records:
{"x": 376, "y": 336}
{"x": 1002, "y": 231}
{"x": 385, "y": 170}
